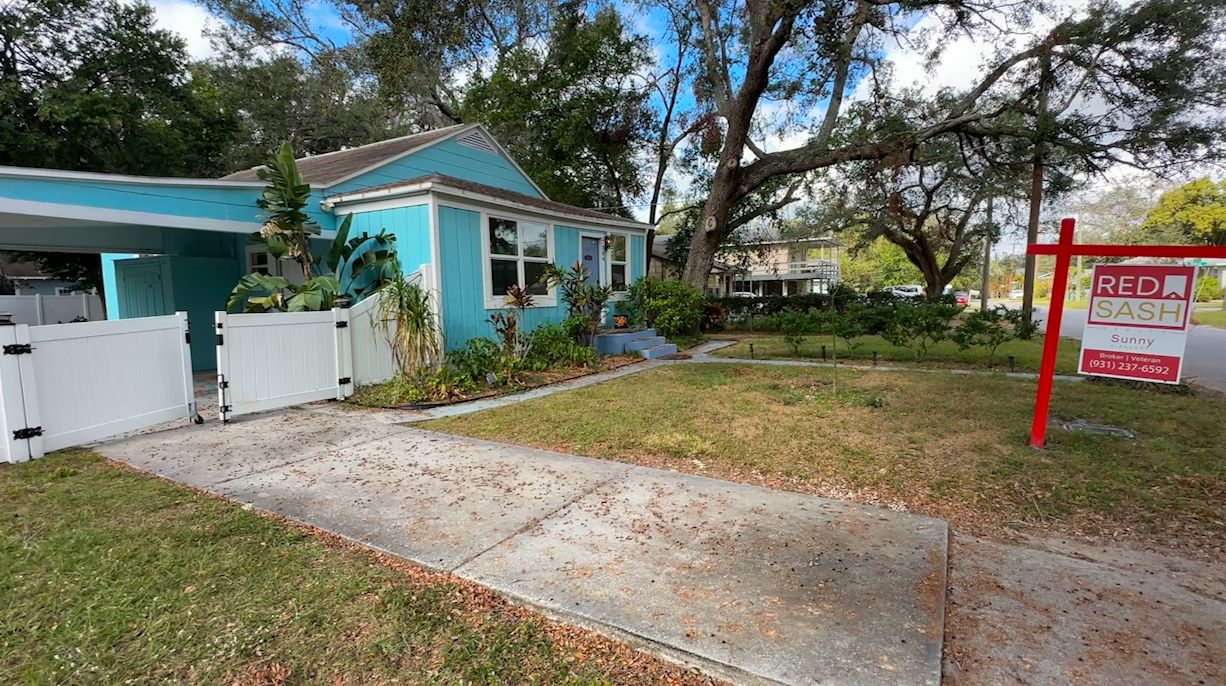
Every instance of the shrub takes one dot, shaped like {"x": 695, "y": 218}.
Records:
{"x": 478, "y": 359}
{"x": 989, "y": 329}
{"x": 1208, "y": 289}
{"x": 584, "y": 301}
{"x": 853, "y": 323}
{"x": 919, "y": 325}
{"x": 674, "y": 308}
{"x": 794, "y": 325}
{"x": 553, "y": 345}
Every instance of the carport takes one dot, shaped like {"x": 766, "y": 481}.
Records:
{"x": 167, "y": 244}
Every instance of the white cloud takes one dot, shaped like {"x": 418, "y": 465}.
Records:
{"x": 189, "y": 21}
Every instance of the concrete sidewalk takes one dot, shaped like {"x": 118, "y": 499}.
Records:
{"x": 751, "y": 585}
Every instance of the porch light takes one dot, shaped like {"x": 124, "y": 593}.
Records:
{"x": 608, "y": 242}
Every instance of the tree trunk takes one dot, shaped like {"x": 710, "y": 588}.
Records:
{"x": 709, "y": 234}
{"x": 1036, "y": 194}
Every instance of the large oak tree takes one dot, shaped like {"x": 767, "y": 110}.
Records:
{"x": 1139, "y": 85}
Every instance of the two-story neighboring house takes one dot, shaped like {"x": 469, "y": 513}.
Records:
{"x": 786, "y": 266}
{"x": 763, "y": 267}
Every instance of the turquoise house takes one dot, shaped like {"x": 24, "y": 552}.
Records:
{"x": 464, "y": 214}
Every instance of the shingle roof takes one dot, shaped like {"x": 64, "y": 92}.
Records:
{"x": 331, "y": 167}
{"x": 501, "y": 194}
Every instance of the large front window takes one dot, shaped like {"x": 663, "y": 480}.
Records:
{"x": 519, "y": 252}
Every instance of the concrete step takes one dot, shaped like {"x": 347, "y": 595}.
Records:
{"x": 614, "y": 343}
{"x": 640, "y": 343}
{"x": 658, "y": 351}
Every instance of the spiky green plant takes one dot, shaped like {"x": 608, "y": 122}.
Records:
{"x": 407, "y": 319}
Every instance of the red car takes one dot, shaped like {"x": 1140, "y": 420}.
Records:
{"x": 962, "y": 298}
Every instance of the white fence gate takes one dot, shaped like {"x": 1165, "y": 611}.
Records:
{"x": 277, "y": 359}
{"x": 66, "y": 384}
{"x": 271, "y": 360}
{"x": 37, "y": 310}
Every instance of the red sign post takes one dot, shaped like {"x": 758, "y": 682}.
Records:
{"x": 1064, "y": 250}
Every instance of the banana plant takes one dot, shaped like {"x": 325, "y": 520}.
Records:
{"x": 366, "y": 263}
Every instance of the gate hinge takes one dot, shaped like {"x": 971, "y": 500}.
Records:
{"x": 342, "y": 325}
{"x": 221, "y": 340}
{"x": 187, "y": 337}
{"x": 223, "y": 384}
{"x": 224, "y": 409}
{"x": 28, "y": 432}
{"x": 343, "y": 381}
{"x": 18, "y": 349}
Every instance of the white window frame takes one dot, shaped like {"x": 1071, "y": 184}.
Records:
{"x": 495, "y": 302}
{"x": 624, "y": 262}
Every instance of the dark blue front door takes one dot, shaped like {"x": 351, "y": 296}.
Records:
{"x": 591, "y": 259}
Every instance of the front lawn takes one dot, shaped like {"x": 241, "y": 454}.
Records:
{"x": 108, "y": 576}
{"x": 1206, "y": 317}
{"x": 942, "y": 444}
{"x": 1027, "y": 354}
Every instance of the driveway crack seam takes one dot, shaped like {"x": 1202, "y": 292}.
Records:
{"x": 537, "y": 520}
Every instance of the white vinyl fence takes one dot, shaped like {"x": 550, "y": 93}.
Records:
{"x": 67, "y": 384}
{"x": 277, "y": 359}
{"x": 36, "y": 310}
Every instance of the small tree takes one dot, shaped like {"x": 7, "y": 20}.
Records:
{"x": 849, "y": 325}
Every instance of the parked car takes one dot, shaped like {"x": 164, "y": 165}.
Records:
{"x": 962, "y": 298}
{"x": 744, "y": 294}
{"x": 906, "y": 291}
{"x": 1016, "y": 294}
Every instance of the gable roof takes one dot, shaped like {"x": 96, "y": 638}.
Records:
{"x": 333, "y": 167}
{"x": 493, "y": 192}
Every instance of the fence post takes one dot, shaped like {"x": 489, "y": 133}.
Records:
{"x": 223, "y": 367}
{"x": 85, "y": 305}
{"x": 19, "y": 395}
{"x": 38, "y": 308}
{"x": 344, "y": 353}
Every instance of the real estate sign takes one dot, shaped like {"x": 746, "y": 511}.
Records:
{"x": 1138, "y": 322}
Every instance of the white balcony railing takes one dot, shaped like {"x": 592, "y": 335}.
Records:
{"x": 808, "y": 269}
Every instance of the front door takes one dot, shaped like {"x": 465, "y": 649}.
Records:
{"x": 591, "y": 259}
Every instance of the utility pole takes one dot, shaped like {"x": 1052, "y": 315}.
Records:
{"x": 1036, "y": 189}
{"x": 987, "y": 263}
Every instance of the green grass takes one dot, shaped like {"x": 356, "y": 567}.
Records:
{"x": 1205, "y": 317}
{"x": 1027, "y": 354}
{"x": 108, "y": 577}
{"x": 946, "y": 445}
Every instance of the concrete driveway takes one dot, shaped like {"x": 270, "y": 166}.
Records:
{"x": 751, "y": 585}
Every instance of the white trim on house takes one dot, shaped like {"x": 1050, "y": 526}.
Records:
{"x": 61, "y": 175}
{"x": 101, "y": 215}
{"x": 361, "y": 201}
{"x": 436, "y": 262}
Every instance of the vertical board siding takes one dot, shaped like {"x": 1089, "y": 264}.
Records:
{"x": 410, "y": 225}
{"x": 463, "y": 274}
{"x": 448, "y": 157}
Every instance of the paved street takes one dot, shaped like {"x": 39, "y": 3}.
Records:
{"x": 1205, "y": 361}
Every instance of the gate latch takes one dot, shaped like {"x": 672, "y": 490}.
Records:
{"x": 28, "y": 432}
{"x": 18, "y": 349}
